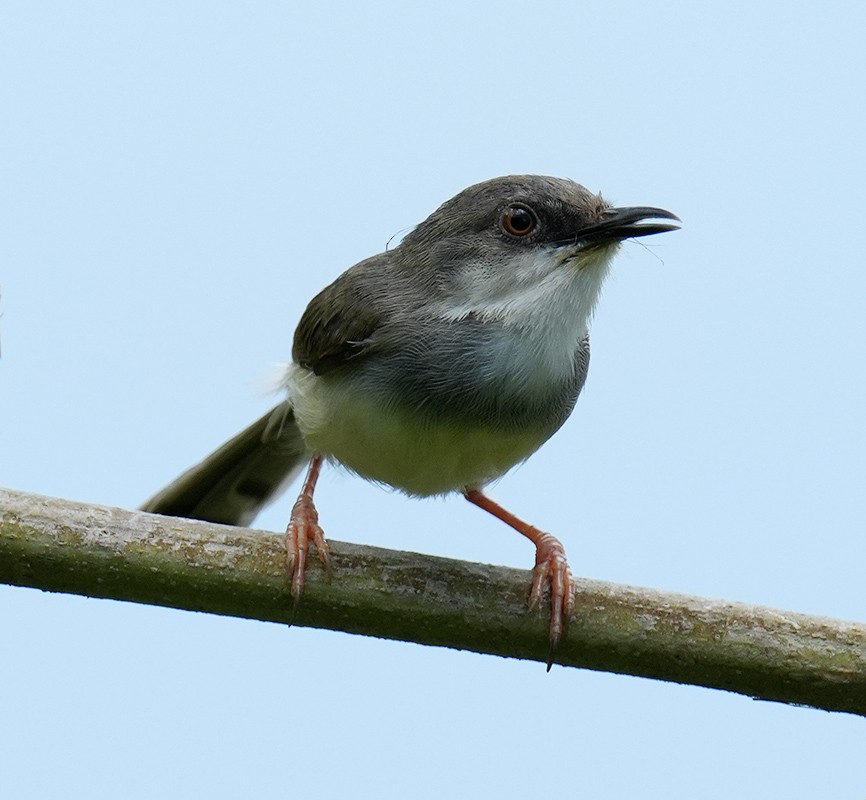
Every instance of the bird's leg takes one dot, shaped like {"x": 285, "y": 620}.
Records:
{"x": 551, "y": 566}
{"x": 303, "y": 528}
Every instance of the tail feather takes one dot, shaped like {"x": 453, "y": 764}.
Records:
{"x": 237, "y": 480}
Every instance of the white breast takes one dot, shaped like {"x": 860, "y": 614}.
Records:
{"x": 550, "y": 296}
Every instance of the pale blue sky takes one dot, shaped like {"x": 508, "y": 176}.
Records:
{"x": 180, "y": 178}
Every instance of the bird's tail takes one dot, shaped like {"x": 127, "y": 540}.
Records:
{"x": 236, "y": 481}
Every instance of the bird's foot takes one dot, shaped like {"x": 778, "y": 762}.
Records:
{"x": 304, "y": 529}
{"x": 551, "y": 569}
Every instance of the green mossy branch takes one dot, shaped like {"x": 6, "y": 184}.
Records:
{"x": 61, "y": 546}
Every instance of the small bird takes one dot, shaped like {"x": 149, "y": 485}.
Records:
{"x": 435, "y": 367}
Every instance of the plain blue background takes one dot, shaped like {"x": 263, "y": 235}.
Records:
{"x": 180, "y": 178}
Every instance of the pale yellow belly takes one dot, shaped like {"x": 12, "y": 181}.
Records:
{"x": 391, "y": 447}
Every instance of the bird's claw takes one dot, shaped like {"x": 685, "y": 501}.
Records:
{"x": 302, "y": 530}
{"x": 551, "y": 569}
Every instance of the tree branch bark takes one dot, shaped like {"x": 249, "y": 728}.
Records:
{"x": 96, "y": 551}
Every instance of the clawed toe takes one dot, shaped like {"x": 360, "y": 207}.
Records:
{"x": 551, "y": 569}
{"x": 303, "y": 530}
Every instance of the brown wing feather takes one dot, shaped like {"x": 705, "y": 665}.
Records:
{"x": 338, "y": 323}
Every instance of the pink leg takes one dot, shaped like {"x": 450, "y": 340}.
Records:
{"x": 304, "y": 528}
{"x": 551, "y": 566}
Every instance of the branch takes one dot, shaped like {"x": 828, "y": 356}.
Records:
{"x": 127, "y": 555}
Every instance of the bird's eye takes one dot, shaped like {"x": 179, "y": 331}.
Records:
{"x": 519, "y": 220}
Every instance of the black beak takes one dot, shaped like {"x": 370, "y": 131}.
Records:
{"x": 617, "y": 224}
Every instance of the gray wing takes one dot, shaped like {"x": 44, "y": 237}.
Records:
{"x": 236, "y": 481}
{"x": 341, "y": 322}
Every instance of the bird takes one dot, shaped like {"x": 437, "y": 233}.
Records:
{"x": 434, "y": 368}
